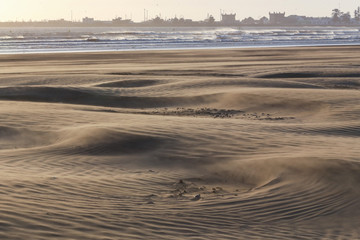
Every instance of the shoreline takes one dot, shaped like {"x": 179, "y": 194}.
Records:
{"x": 184, "y": 49}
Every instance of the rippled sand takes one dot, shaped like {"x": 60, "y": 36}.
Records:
{"x": 190, "y": 144}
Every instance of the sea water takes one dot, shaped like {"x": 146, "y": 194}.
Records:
{"x": 33, "y": 40}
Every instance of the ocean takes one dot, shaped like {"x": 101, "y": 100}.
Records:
{"x": 34, "y": 40}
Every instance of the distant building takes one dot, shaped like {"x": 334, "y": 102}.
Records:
{"x": 57, "y": 21}
{"x": 357, "y": 14}
{"x": 88, "y": 20}
{"x": 228, "y": 19}
{"x": 296, "y": 20}
{"x": 120, "y": 21}
{"x": 323, "y": 21}
{"x": 277, "y": 18}
{"x": 158, "y": 21}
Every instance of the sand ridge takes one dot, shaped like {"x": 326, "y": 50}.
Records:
{"x": 205, "y": 144}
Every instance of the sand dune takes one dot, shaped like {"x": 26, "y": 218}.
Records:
{"x": 205, "y": 144}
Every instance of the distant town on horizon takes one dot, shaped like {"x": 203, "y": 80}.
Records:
{"x": 336, "y": 18}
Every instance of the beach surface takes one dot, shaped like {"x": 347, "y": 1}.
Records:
{"x": 181, "y": 144}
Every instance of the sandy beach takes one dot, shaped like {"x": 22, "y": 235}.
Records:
{"x": 181, "y": 144}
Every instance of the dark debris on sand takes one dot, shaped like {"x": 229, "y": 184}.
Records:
{"x": 205, "y": 113}
{"x": 216, "y": 113}
{"x": 190, "y": 191}
{"x": 199, "y": 112}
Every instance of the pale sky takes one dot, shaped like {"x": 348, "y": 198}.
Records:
{"x": 196, "y": 9}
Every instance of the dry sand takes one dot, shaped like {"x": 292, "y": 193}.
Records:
{"x": 190, "y": 144}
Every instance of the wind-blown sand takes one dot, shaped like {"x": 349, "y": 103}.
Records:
{"x": 190, "y": 144}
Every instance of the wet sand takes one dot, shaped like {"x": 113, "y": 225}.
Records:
{"x": 185, "y": 144}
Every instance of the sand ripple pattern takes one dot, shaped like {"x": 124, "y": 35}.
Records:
{"x": 181, "y": 145}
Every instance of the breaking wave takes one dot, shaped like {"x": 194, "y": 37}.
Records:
{"x": 90, "y": 39}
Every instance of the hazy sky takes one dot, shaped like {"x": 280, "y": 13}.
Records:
{"x": 195, "y": 9}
